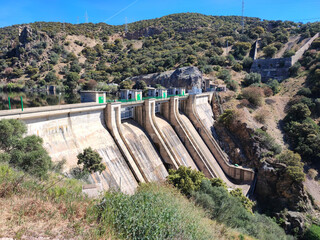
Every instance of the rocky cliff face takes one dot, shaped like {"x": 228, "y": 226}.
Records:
{"x": 275, "y": 190}
{"x": 187, "y": 77}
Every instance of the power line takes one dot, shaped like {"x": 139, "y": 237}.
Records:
{"x": 123, "y": 9}
{"x": 306, "y": 19}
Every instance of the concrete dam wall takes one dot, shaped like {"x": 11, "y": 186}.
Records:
{"x": 65, "y": 136}
{"x": 144, "y": 152}
{"x": 175, "y": 144}
{"x": 136, "y": 144}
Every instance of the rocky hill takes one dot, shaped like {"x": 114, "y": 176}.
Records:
{"x": 44, "y": 53}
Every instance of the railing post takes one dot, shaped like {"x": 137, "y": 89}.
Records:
{"x": 21, "y": 103}
{"x": 9, "y": 103}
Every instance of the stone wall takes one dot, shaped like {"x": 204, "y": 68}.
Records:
{"x": 275, "y": 68}
{"x": 278, "y": 68}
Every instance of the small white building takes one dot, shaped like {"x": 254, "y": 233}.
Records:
{"x": 131, "y": 94}
{"x": 157, "y": 92}
{"x": 93, "y": 96}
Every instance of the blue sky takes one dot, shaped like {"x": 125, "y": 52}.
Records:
{"x": 115, "y": 12}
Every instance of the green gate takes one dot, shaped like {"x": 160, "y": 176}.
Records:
{"x": 138, "y": 97}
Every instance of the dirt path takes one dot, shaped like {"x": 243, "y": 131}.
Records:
{"x": 313, "y": 187}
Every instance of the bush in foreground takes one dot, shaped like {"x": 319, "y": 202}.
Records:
{"x": 230, "y": 208}
{"x": 154, "y": 212}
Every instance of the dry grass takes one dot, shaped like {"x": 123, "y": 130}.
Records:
{"x": 51, "y": 209}
{"x": 56, "y": 209}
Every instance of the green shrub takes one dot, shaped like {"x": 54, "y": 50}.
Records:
{"x": 11, "y": 132}
{"x": 254, "y": 95}
{"x": 267, "y": 142}
{"x": 154, "y": 212}
{"x": 224, "y": 74}
{"x": 247, "y": 62}
{"x": 91, "y": 161}
{"x": 294, "y": 69}
{"x": 305, "y": 92}
{"x": 274, "y": 85}
{"x": 289, "y": 53}
{"x": 294, "y": 165}
{"x": 252, "y": 78}
{"x": 185, "y": 179}
{"x": 30, "y": 156}
{"x": 269, "y": 51}
{"x": 313, "y": 233}
{"x": 225, "y": 208}
{"x": 228, "y": 117}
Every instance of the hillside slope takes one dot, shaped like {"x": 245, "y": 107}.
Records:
{"x": 46, "y": 52}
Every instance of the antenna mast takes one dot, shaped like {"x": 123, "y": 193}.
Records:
{"x": 126, "y": 26}
{"x": 86, "y": 16}
{"x": 242, "y": 17}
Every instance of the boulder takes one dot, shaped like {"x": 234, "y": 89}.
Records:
{"x": 187, "y": 77}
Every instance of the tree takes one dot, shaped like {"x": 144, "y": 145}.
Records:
{"x": 298, "y": 112}
{"x": 72, "y": 80}
{"x": 126, "y": 84}
{"x": 91, "y": 160}
{"x": 30, "y": 156}
{"x": 54, "y": 58}
{"x": 274, "y": 85}
{"x": 252, "y": 78}
{"x": 51, "y": 77}
{"x": 75, "y": 67}
{"x": 247, "y": 62}
{"x": 269, "y": 51}
{"x": 140, "y": 84}
{"x": 240, "y": 49}
{"x": 294, "y": 165}
{"x": 294, "y": 69}
{"x": 288, "y": 53}
{"x": 224, "y": 75}
{"x": 11, "y": 132}
{"x": 186, "y": 179}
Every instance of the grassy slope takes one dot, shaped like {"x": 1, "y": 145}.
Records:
{"x": 56, "y": 209}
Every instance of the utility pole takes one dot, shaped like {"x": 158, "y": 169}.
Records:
{"x": 242, "y": 18}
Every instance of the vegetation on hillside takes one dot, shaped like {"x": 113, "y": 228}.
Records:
{"x": 166, "y": 43}
{"x": 230, "y": 208}
{"x": 303, "y": 133}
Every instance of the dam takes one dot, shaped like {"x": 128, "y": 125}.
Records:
{"x": 138, "y": 141}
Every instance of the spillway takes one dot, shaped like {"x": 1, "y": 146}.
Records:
{"x": 207, "y": 153}
{"x": 143, "y": 151}
{"x": 65, "y": 136}
{"x": 206, "y": 115}
{"x": 174, "y": 143}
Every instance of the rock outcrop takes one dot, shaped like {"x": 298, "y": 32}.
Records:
{"x": 187, "y": 77}
{"x": 25, "y": 35}
{"x": 274, "y": 188}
